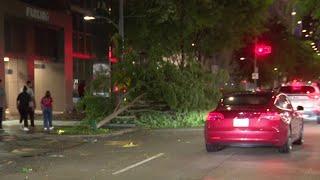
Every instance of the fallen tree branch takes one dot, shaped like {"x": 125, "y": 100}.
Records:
{"x": 117, "y": 112}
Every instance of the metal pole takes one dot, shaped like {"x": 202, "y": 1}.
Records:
{"x": 255, "y": 70}
{"x": 255, "y": 67}
{"x": 110, "y": 77}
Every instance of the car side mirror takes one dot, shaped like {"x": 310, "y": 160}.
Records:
{"x": 300, "y": 108}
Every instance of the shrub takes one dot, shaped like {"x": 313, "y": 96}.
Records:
{"x": 172, "y": 120}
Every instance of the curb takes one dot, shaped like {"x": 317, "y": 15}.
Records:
{"x": 112, "y": 134}
{"x": 60, "y": 137}
{"x": 180, "y": 129}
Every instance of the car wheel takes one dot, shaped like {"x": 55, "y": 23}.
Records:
{"x": 287, "y": 147}
{"x": 213, "y": 147}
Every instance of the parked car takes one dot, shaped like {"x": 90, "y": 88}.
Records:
{"x": 307, "y": 96}
{"x": 254, "y": 119}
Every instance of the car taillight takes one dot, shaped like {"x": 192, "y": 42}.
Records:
{"x": 314, "y": 96}
{"x": 270, "y": 116}
{"x": 215, "y": 116}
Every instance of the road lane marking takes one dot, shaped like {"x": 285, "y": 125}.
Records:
{"x": 138, "y": 164}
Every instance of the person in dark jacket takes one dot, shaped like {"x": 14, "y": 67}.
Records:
{"x": 2, "y": 103}
{"x": 23, "y": 101}
{"x": 32, "y": 103}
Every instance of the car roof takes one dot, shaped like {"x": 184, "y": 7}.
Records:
{"x": 267, "y": 93}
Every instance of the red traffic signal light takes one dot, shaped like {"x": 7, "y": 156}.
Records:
{"x": 262, "y": 49}
{"x": 112, "y": 59}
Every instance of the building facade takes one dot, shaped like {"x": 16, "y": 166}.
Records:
{"x": 49, "y": 45}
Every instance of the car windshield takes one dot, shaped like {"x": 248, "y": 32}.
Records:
{"x": 297, "y": 89}
{"x": 247, "y": 99}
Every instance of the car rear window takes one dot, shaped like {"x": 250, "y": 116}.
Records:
{"x": 297, "y": 89}
{"x": 246, "y": 99}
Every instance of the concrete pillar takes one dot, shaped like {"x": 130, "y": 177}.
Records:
{"x": 68, "y": 64}
{"x": 2, "y": 66}
{"x": 2, "y": 70}
{"x": 30, "y": 53}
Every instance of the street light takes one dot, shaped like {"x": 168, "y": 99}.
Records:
{"x": 293, "y": 13}
{"x": 304, "y": 30}
{"x": 299, "y": 22}
{"x": 275, "y": 69}
{"x": 89, "y": 18}
{"x": 242, "y": 58}
{"x": 312, "y": 44}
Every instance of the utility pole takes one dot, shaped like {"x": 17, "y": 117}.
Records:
{"x": 293, "y": 20}
{"x": 121, "y": 27}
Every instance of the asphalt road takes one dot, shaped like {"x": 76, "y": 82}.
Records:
{"x": 169, "y": 155}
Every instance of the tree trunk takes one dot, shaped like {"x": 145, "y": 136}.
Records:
{"x": 117, "y": 112}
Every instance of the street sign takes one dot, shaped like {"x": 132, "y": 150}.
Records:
{"x": 255, "y": 75}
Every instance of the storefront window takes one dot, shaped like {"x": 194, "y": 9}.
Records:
{"x": 75, "y": 42}
{"x": 81, "y": 43}
{"x": 88, "y": 44}
{"x": 15, "y": 36}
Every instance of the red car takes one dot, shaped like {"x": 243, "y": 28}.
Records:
{"x": 254, "y": 119}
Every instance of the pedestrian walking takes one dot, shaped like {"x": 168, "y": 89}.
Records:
{"x": 23, "y": 101}
{"x": 81, "y": 88}
{"x": 46, "y": 106}
{"x": 32, "y": 104}
{"x": 2, "y": 103}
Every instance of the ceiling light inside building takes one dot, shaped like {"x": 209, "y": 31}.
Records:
{"x": 6, "y": 59}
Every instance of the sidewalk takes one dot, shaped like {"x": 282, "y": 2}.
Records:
{"x": 13, "y": 128}
{"x": 9, "y": 123}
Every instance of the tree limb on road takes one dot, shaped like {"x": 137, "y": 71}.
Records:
{"x": 119, "y": 111}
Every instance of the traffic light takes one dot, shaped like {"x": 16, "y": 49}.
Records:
{"x": 262, "y": 50}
